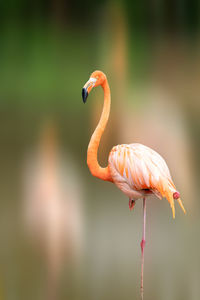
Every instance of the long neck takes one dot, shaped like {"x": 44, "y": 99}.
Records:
{"x": 92, "y": 160}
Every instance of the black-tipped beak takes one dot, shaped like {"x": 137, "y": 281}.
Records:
{"x": 84, "y": 94}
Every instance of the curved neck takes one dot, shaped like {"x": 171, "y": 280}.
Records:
{"x": 92, "y": 160}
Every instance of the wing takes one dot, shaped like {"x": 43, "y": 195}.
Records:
{"x": 143, "y": 168}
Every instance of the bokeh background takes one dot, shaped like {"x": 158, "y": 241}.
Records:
{"x": 63, "y": 233}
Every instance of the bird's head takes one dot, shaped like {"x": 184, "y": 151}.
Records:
{"x": 96, "y": 78}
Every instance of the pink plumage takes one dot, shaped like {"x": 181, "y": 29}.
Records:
{"x": 139, "y": 171}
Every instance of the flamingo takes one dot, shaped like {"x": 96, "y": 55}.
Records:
{"x": 137, "y": 170}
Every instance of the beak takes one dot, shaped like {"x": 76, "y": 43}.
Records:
{"x": 84, "y": 94}
{"x": 87, "y": 88}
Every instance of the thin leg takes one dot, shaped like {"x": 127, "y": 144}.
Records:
{"x": 142, "y": 249}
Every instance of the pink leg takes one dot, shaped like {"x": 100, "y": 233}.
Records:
{"x": 142, "y": 249}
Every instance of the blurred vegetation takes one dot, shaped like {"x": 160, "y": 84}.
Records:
{"x": 46, "y": 44}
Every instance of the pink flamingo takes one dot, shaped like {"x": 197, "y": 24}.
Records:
{"x": 136, "y": 170}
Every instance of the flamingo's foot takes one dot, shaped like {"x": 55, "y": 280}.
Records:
{"x": 176, "y": 195}
{"x": 131, "y": 204}
{"x": 142, "y": 244}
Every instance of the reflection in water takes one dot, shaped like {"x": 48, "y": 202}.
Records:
{"x": 52, "y": 208}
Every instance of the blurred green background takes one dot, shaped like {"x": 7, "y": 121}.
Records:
{"x": 150, "y": 52}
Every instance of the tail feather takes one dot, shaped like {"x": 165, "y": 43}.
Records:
{"x": 181, "y": 205}
{"x": 166, "y": 189}
{"x": 169, "y": 195}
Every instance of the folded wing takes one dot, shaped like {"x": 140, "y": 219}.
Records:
{"x": 143, "y": 169}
